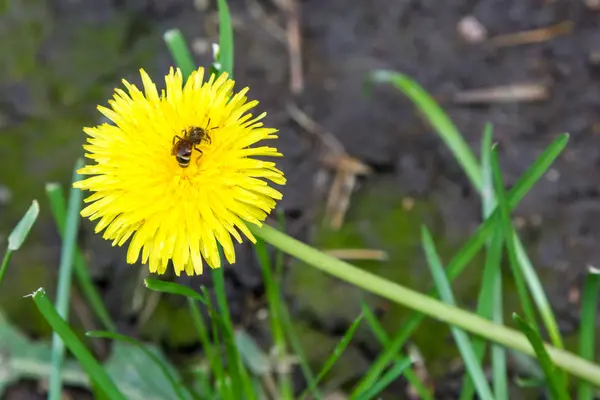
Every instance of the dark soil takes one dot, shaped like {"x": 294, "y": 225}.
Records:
{"x": 342, "y": 42}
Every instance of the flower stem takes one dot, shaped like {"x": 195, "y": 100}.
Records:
{"x": 424, "y": 304}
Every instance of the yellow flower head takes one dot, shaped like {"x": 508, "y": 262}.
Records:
{"x": 175, "y": 172}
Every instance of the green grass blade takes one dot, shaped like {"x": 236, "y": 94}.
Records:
{"x": 490, "y": 298}
{"x": 389, "y": 377}
{"x": 537, "y": 170}
{"x": 437, "y": 117}
{"x": 336, "y": 354}
{"x": 173, "y": 288}
{"x": 223, "y": 381}
{"x": 58, "y": 207}
{"x": 464, "y": 256}
{"x": 537, "y": 293}
{"x": 383, "y": 339}
{"x": 21, "y": 230}
{"x": 89, "y": 364}
{"x": 509, "y": 234}
{"x": 237, "y": 367}
{"x": 163, "y": 368}
{"x": 180, "y": 52}
{"x": 18, "y": 235}
{"x": 225, "y": 38}
{"x": 279, "y": 255}
{"x": 465, "y": 347}
{"x": 214, "y": 366}
{"x": 274, "y": 303}
{"x": 64, "y": 283}
{"x": 488, "y": 197}
{"x": 554, "y": 378}
{"x": 487, "y": 302}
{"x": 294, "y": 341}
{"x": 587, "y": 330}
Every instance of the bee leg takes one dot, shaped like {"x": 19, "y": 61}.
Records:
{"x": 176, "y": 137}
{"x": 199, "y": 157}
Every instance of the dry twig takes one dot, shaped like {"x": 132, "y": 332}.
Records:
{"x": 346, "y": 168}
{"x": 518, "y": 92}
{"x": 532, "y": 36}
{"x": 291, "y": 10}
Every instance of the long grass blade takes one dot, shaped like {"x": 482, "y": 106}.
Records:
{"x": 294, "y": 341}
{"x": 554, "y": 378}
{"x": 64, "y": 283}
{"x": 274, "y": 303}
{"x": 437, "y": 117}
{"x": 58, "y": 207}
{"x": 587, "y": 331}
{"x": 225, "y": 38}
{"x": 336, "y": 354}
{"x": 236, "y": 366}
{"x": 90, "y": 365}
{"x": 210, "y": 353}
{"x": 490, "y": 294}
{"x": 537, "y": 293}
{"x": 383, "y": 339}
{"x": 509, "y": 234}
{"x": 389, "y": 377}
{"x": 462, "y": 339}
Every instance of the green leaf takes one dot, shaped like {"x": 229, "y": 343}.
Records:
{"x": 254, "y": 357}
{"x": 20, "y": 232}
{"x": 462, "y": 340}
{"x": 554, "y": 379}
{"x": 225, "y": 38}
{"x": 22, "y": 358}
{"x": 137, "y": 378}
{"x": 587, "y": 330}
{"x": 180, "y": 52}
{"x": 176, "y": 387}
{"x": 173, "y": 288}
{"x": 94, "y": 370}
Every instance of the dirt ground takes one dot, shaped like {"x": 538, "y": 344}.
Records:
{"x": 341, "y": 43}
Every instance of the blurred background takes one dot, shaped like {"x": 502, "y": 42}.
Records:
{"x": 364, "y": 170}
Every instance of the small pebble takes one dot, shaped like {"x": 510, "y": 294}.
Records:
{"x": 553, "y": 175}
{"x": 5, "y": 195}
{"x": 200, "y": 46}
{"x": 471, "y": 30}
{"x": 593, "y": 4}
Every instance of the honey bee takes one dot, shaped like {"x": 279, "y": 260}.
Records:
{"x": 183, "y": 146}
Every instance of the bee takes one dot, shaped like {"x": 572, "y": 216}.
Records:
{"x": 183, "y": 146}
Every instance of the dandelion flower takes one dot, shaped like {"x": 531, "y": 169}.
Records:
{"x": 179, "y": 209}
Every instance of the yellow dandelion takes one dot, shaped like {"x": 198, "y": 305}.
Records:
{"x": 175, "y": 173}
